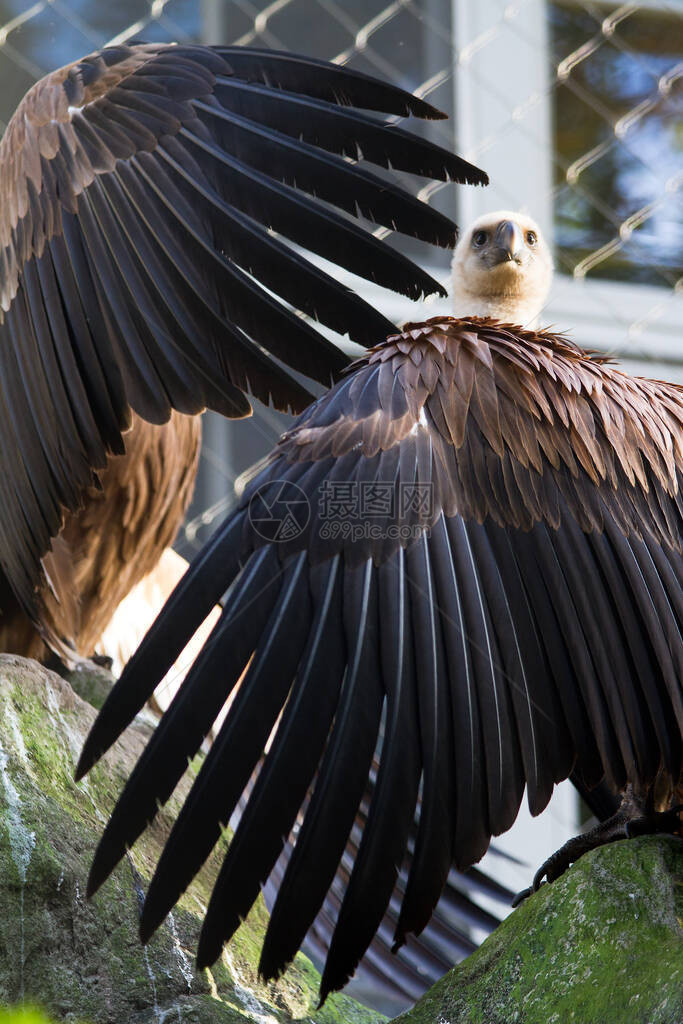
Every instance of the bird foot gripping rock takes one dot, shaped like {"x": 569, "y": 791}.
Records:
{"x": 603, "y": 943}
{"x": 633, "y": 818}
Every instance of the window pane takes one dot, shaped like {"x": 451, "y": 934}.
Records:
{"x": 618, "y": 137}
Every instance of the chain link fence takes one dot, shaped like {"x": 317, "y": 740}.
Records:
{"x": 572, "y": 106}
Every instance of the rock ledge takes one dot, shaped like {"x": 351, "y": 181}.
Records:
{"x": 601, "y": 945}
{"x": 81, "y": 960}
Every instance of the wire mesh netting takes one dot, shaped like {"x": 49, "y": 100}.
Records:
{"x": 572, "y": 106}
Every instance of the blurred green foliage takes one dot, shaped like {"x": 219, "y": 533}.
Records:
{"x": 23, "y": 1015}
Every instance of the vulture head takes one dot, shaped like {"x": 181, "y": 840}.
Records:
{"x": 502, "y": 268}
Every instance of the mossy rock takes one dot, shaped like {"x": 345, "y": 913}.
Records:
{"x": 81, "y": 960}
{"x": 601, "y": 945}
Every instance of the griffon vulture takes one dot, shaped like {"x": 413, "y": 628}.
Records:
{"x": 471, "y": 546}
{"x": 149, "y": 193}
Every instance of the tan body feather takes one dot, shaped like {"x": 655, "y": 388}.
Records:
{"x": 115, "y": 540}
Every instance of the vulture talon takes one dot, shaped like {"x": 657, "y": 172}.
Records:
{"x": 522, "y": 895}
{"x": 633, "y": 818}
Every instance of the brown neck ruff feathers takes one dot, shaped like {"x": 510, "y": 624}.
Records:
{"x": 505, "y": 410}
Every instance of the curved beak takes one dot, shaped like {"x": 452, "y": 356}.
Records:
{"x": 509, "y": 241}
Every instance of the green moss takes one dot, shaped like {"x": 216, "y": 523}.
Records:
{"x": 601, "y": 945}
{"x": 297, "y": 991}
{"x": 82, "y": 959}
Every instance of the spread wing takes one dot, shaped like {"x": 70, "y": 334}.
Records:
{"x": 148, "y": 195}
{"x": 506, "y": 606}
{"x": 387, "y": 979}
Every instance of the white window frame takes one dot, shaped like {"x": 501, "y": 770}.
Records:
{"x": 640, "y": 324}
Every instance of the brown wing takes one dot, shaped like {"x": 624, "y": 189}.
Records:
{"x": 386, "y": 979}
{"x": 112, "y": 542}
{"x": 474, "y": 539}
{"x": 146, "y": 196}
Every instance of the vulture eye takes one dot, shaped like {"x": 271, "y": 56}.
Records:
{"x": 479, "y": 237}
{"x": 531, "y": 238}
